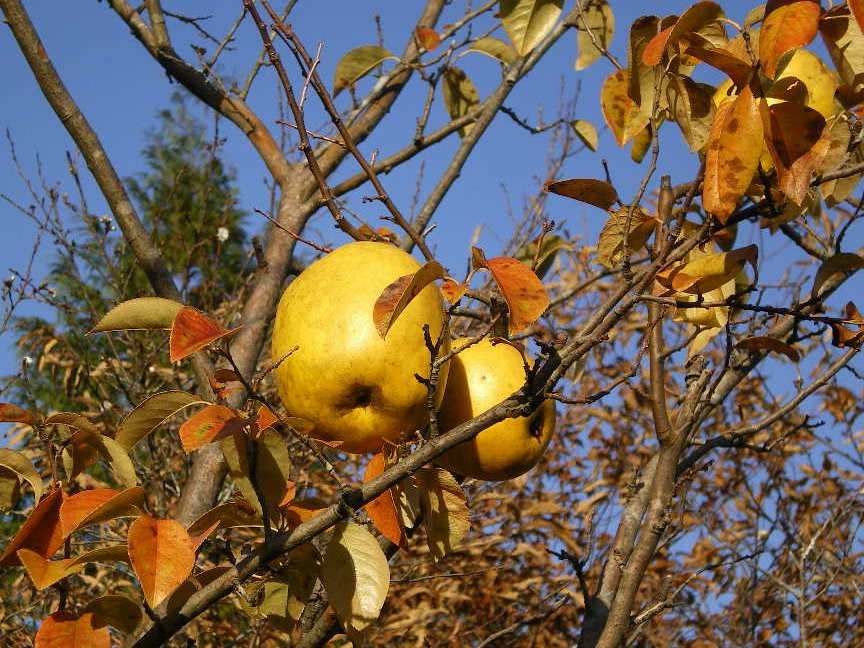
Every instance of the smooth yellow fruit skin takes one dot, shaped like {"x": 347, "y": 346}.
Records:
{"x": 353, "y": 386}
{"x": 480, "y": 377}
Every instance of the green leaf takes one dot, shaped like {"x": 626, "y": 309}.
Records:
{"x": 358, "y": 63}
{"x": 150, "y": 414}
{"x": 494, "y": 47}
{"x": 21, "y": 466}
{"x": 272, "y": 466}
{"x": 356, "y": 576}
{"x": 528, "y": 21}
{"x": 139, "y": 313}
{"x": 597, "y": 17}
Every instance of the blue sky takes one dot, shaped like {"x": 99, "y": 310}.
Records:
{"x": 120, "y": 89}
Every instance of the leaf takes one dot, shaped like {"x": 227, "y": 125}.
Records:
{"x": 21, "y": 466}
{"x": 73, "y": 420}
{"x": 382, "y": 510}
{"x": 356, "y": 64}
{"x": 653, "y": 51}
{"x": 597, "y": 17}
{"x": 99, "y": 505}
{"x": 709, "y": 271}
{"x": 396, "y": 297}
{"x": 788, "y": 24}
{"x": 523, "y": 291}
{"x": 356, "y": 576}
{"x": 119, "y": 612}
{"x": 586, "y": 133}
{"x": 110, "y": 553}
{"x": 445, "y": 512}
{"x": 150, "y": 414}
{"x": 733, "y": 154}
{"x": 621, "y": 113}
{"x": 10, "y": 489}
{"x": 641, "y": 79}
{"x": 428, "y": 38}
{"x": 162, "y": 556}
{"x": 588, "y": 190}
{"x": 83, "y": 446}
{"x": 856, "y": 8}
{"x": 765, "y": 343}
{"x": 227, "y": 515}
{"x": 839, "y": 263}
{"x": 528, "y": 21}
{"x": 139, "y": 313}
{"x": 494, "y": 47}
{"x": 284, "y": 596}
{"x": 737, "y": 68}
{"x": 41, "y": 531}
{"x": 272, "y": 466}
{"x": 460, "y": 96}
{"x": 692, "y": 108}
{"x": 66, "y": 630}
{"x": 212, "y": 423}
{"x": 300, "y": 511}
{"x": 844, "y": 40}
{"x": 44, "y": 572}
{"x": 13, "y": 414}
{"x": 550, "y": 246}
{"x": 798, "y": 142}
{"x": 191, "y": 331}
{"x": 610, "y": 245}
{"x": 453, "y": 291}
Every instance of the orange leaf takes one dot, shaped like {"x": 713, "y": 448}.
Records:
{"x": 219, "y": 382}
{"x": 429, "y": 38}
{"x": 264, "y": 419}
{"x": 300, "y": 511}
{"x": 98, "y": 505}
{"x": 43, "y": 572}
{"x": 162, "y": 554}
{"x": 399, "y": 294}
{"x": 619, "y": 110}
{"x": 798, "y": 142}
{"x": 382, "y": 510}
{"x": 191, "y": 331}
{"x": 594, "y": 192}
{"x": 65, "y": 630}
{"x": 731, "y": 63}
{"x": 453, "y": 291}
{"x": 653, "y": 51}
{"x": 856, "y": 8}
{"x": 210, "y": 424}
{"x": 788, "y": 24}
{"x": 733, "y": 154}
{"x": 41, "y": 532}
{"x": 522, "y": 289}
{"x": 13, "y": 414}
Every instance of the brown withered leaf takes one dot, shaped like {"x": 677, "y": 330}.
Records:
{"x": 382, "y": 510}
{"x": 765, "y": 343}
{"x": 621, "y": 113}
{"x": 732, "y": 157}
{"x": 588, "y": 190}
{"x": 162, "y": 555}
{"x": 428, "y": 38}
{"x": 396, "y": 297}
{"x": 13, "y": 414}
{"x": 192, "y": 330}
{"x": 41, "y": 531}
{"x": 798, "y": 142}
{"x": 610, "y": 245}
{"x": 788, "y": 24}
{"x": 839, "y": 263}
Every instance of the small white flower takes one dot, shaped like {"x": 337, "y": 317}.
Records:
{"x": 151, "y": 369}
{"x": 27, "y": 360}
{"x": 222, "y": 234}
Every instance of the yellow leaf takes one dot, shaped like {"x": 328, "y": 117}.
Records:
{"x": 619, "y": 110}
{"x": 460, "y": 96}
{"x": 586, "y": 132}
{"x": 445, "y": 512}
{"x": 610, "y": 246}
{"x": 494, "y": 47}
{"x": 21, "y": 466}
{"x": 528, "y": 21}
{"x": 597, "y": 17}
{"x": 710, "y": 271}
{"x": 358, "y": 63}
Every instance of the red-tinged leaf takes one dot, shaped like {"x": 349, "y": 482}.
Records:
{"x": 41, "y": 531}
{"x": 588, "y": 190}
{"x": 453, "y": 291}
{"x": 264, "y": 419}
{"x": 845, "y": 262}
{"x": 428, "y": 38}
{"x": 13, "y": 414}
{"x": 764, "y": 343}
{"x": 150, "y": 414}
{"x": 162, "y": 555}
{"x": 523, "y": 291}
{"x": 653, "y": 51}
{"x": 44, "y": 572}
{"x": 139, "y": 313}
{"x": 83, "y": 448}
{"x": 738, "y": 69}
{"x": 621, "y": 113}
{"x": 856, "y": 8}
{"x": 798, "y": 142}
{"x": 788, "y": 24}
{"x": 733, "y": 154}
{"x": 382, "y": 510}
{"x": 193, "y": 330}
{"x": 219, "y": 383}
{"x": 66, "y": 630}
{"x": 99, "y": 505}
{"x": 119, "y": 612}
{"x": 212, "y": 423}
{"x": 300, "y": 511}
{"x": 396, "y": 297}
